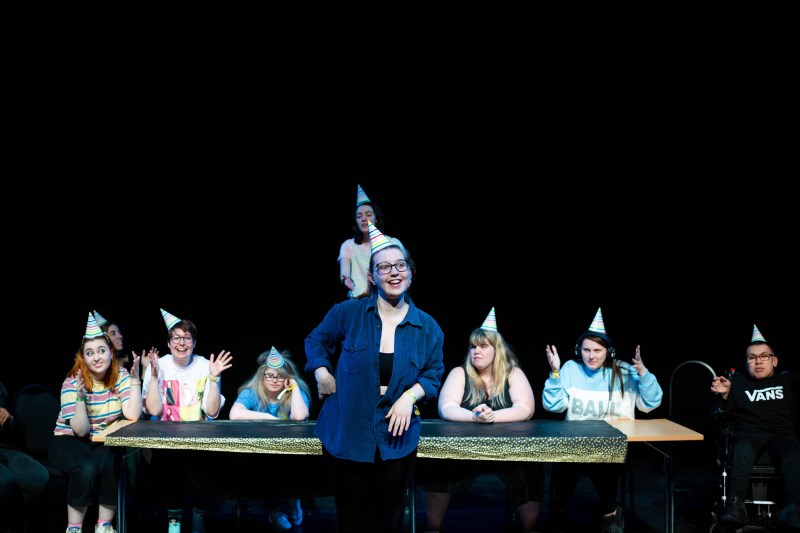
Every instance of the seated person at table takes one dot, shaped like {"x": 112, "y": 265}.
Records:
{"x": 96, "y": 393}
{"x": 762, "y": 406}
{"x": 182, "y": 386}
{"x": 596, "y": 387}
{"x": 275, "y": 392}
{"x": 489, "y": 387}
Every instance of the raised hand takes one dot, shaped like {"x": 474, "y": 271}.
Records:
{"x": 80, "y": 386}
{"x": 637, "y": 362}
{"x": 135, "y": 372}
{"x": 222, "y": 363}
{"x": 721, "y": 385}
{"x": 552, "y": 358}
{"x": 152, "y": 358}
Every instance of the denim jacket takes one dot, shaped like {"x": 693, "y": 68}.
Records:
{"x": 352, "y": 422}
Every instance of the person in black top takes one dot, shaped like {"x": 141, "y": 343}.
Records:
{"x": 488, "y": 388}
{"x": 762, "y": 407}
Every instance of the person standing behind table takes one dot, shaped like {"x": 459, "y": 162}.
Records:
{"x": 489, "y": 387}
{"x": 355, "y": 253}
{"x": 762, "y": 406}
{"x": 275, "y": 392}
{"x": 182, "y": 386}
{"x": 596, "y": 387}
{"x": 391, "y": 358}
{"x": 23, "y": 479}
{"x": 96, "y": 393}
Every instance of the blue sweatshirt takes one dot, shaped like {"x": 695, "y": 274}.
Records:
{"x": 584, "y": 393}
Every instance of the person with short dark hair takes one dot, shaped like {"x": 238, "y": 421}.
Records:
{"x": 182, "y": 386}
{"x": 762, "y": 407}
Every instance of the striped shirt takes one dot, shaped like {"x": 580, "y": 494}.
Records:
{"x": 103, "y": 405}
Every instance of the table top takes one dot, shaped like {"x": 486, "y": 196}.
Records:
{"x": 655, "y": 430}
{"x": 533, "y": 440}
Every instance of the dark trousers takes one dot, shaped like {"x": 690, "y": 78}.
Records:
{"x": 784, "y": 452}
{"x": 21, "y": 473}
{"x": 370, "y": 497}
{"x": 565, "y": 477}
{"x": 177, "y": 478}
{"x": 90, "y": 468}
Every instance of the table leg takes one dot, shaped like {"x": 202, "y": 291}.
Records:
{"x": 669, "y": 488}
{"x": 122, "y": 495}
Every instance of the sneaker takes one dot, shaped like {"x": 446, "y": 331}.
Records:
{"x": 789, "y": 515}
{"x": 198, "y": 521}
{"x": 104, "y": 529}
{"x": 735, "y": 514}
{"x": 174, "y": 526}
{"x": 614, "y": 523}
{"x": 279, "y": 521}
{"x": 296, "y": 513}
{"x": 74, "y": 529}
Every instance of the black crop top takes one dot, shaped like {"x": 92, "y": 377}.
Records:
{"x": 386, "y": 364}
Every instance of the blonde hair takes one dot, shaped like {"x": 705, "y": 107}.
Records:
{"x": 288, "y": 370}
{"x": 504, "y": 363}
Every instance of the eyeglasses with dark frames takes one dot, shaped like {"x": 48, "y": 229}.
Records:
{"x": 385, "y": 268}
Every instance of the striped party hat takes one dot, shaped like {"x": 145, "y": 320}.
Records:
{"x": 757, "y": 336}
{"x": 100, "y": 320}
{"x": 361, "y": 196}
{"x": 275, "y": 359}
{"x": 92, "y": 329}
{"x": 169, "y": 319}
{"x": 491, "y": 321}
{"x": 377, "y": 240}
{"x": 598, "y": 326}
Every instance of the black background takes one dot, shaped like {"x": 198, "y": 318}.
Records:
{"x": 683, "y": 267}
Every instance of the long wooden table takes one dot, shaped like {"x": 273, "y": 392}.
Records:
{"x": 535, "y": 440}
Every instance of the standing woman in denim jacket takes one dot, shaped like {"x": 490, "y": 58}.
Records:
{"x": 391, "y": 358}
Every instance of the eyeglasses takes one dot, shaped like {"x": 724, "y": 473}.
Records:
{"x": 273, "y": 377}
{"x": 760, "y": 357}
{"x": 187, "y": 339}
{"x": 385, "y": 268}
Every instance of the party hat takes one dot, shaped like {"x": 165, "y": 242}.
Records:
{"x": 361, "y": 196}
{"x": 491, "y": 321}
{"x": 92, "y": 329}
{"x": 275, "y": 359}
{"x": 100, "y": 320}
{"x": 169, "y": 319}
{"x": 757, "y": 336}
{"x": 377, "y": 240}
{"x": 598, "y": 326}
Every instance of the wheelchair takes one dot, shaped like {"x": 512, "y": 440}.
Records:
{"x": 764, "y": 493}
